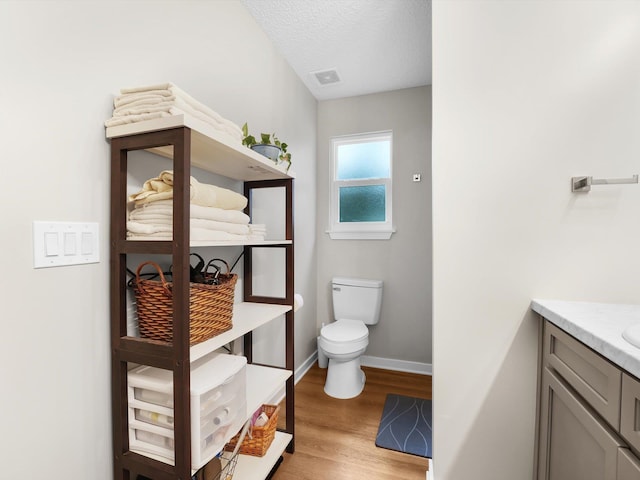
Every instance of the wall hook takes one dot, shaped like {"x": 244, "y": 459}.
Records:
{"x": 583, "y": 184}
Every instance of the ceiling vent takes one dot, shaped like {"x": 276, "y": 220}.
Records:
{"x": 327, "y": 77}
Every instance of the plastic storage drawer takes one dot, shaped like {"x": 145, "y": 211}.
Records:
{"x": 218, "y": 407}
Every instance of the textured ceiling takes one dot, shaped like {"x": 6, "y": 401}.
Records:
{"x": 374, "y": 45}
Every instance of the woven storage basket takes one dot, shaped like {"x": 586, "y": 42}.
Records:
{"x": 210, "y": 306}
{"x": 258, "y": 439}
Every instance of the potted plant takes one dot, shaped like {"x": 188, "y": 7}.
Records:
{"x": 270, "y": 146}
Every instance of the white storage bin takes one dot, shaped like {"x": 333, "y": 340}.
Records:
{"x": 218, "y": 407}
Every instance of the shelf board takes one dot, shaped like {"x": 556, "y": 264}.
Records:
{"x": 247, "y": 316}
{"x": 211, "y": 149}
{"x": 250, "y": 467}
{"x": 166, "y": 246}
{"x": 241, "y": 244}
{"x": 262, "y": 384}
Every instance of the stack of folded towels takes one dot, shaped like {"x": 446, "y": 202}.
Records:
{"x": 164, "y": 100}
{"x": 215, "y": 213}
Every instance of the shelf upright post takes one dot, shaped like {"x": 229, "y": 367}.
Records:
{"x": 180, "y": 274}
{"x": 174, "y": 356}
{"x": 287, "y": 184}
{"x": 117, "y": 267}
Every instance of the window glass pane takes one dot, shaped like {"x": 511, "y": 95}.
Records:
{"x": 364, "y": 160}
{"x": 362, "y": 204}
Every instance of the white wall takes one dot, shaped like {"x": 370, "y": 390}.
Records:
{"x": 525, "y": 95}
{"x": 62, "y": 62}
{"x": 404, "y": 261}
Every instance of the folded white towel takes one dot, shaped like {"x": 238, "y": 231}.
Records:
{"x": 199, "y": 235}
{"x": 124, "y": 101}
{"x": 146, "y": 107}
{"x": 115, "y": 121}
{"x": 166, "y": 225}
{"x": 147, "y": 88}
{"x": 152, "y": 94}
{"x": 257, "y": 229}
{"x": 163, "y": 209}
{"x": 203, "y": 194}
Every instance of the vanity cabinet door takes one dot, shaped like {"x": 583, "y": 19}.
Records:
{"x": 630, "y": 414}
{"x": 628, "y": 465}
{"x": 574, "y": 443}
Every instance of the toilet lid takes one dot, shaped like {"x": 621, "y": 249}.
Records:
{"x": 345, "y": 331}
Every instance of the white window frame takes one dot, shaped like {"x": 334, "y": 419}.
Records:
{"x": 360, "y": 230}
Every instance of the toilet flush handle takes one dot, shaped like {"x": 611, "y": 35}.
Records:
{"x": 337, "y": 289}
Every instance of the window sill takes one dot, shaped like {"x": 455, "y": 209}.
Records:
{"x": 362, "y": 235}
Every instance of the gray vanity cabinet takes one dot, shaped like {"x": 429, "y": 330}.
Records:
{"x": 630, "y": 413}
{"x": 628, "y": 465}
{"x": 589, "y": 414}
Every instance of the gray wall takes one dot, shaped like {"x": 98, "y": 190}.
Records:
{"x": 404, "y": 261}
{"x": 526, "y": 95}
{"x": 62, "y": 63}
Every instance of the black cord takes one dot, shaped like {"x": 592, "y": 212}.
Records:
{"x": 236, "y": 262}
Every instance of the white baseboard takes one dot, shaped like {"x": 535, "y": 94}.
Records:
{"x": 304, "y": 368}
{"x": 397, "y": 365}
{"x": 430, "y": 471}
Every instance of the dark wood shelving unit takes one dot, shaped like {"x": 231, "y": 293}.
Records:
{"x": 174, "y": 138}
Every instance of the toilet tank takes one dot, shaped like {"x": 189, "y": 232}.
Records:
{"x": 357, "y": 299}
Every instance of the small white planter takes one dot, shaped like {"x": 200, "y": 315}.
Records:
{"x": 270, "y": 151}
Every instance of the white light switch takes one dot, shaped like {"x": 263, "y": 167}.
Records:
{"x": 69, "y": 243}
{"x": 86, "y": 247}
{"x": 64, "y": 243}
{"x": 51, "y": 244}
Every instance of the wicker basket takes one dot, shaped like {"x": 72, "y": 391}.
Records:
{"x": 210, "y": 306}
{"x": 258, "y": 439}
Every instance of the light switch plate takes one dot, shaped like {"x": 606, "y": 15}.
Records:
{"x": 56, "y": 244}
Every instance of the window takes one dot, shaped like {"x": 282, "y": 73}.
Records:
{"x": 361, "y": 186}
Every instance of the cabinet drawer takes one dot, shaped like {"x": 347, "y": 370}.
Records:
{"x": 628, "y": 465}
{"x": 630, "y": 414}
{"x": 597, "y": 380}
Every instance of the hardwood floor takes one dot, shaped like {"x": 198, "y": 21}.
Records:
{"x": 335, "y": 439}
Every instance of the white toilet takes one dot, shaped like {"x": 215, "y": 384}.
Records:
{"x": 356, "y": 304}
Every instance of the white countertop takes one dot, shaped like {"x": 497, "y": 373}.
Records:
{"x": 597, "y": 325}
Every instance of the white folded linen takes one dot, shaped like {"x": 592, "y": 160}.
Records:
{"x": 257, "y": 229}
{"x": 170, "y": 89}
{"x": 167, "y": 98}
{"x": 163, "y": 209}
{"x": 149, "y": 95}
{"x": 229, "y": 132}
{"x": 166, "y": 225}
{"x": 137, "y": 108}
{"x": 203, "y": 194}
{"x": 124, "y": 101}
{"x": 174, "y": 107}
{"x": 199, "y": 235}
{"x": 195, "y": 235}
{"x": 115, "y": 121}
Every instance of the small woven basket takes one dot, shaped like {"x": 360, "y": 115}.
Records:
{"x": 210, "y": 306}
{"x": 258, "y": 439}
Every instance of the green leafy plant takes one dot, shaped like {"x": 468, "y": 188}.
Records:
{"x": 267, "y": 139}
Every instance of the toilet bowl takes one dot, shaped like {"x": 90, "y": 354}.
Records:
{"x": 343, "y": 342}
{"x": 356, "y": 304}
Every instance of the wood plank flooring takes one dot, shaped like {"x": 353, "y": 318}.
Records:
{"x": 335, "y": 439}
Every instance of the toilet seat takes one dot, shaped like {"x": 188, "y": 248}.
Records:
{"x": 342, "y": 331}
